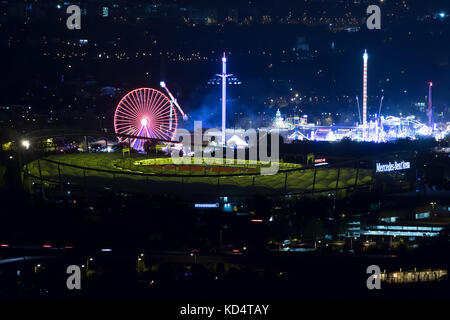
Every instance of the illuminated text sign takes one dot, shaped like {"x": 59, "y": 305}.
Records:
{"x": 393, "y": 166}
{"x": 206, "y": 205}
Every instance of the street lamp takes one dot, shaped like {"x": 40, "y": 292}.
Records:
{"x": 87, "y": 265}
{"x": 26, "y": 144}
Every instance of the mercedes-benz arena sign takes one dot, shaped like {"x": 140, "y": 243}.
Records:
{"x": 393, "y": 166}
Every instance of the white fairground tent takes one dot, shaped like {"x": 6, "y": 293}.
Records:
{"x": 236, "y": 141}
{"x": 297, "y": 136}
{"x": 104, "y": 142}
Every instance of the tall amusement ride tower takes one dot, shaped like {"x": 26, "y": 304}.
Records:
{"x": 224, "y": 79}
{"x": 430, "y": 106}
{"x": 224, "y": 76}
{"x": 365, "y": 57}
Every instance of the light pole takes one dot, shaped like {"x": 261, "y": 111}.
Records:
{"x": 87, "y": 265}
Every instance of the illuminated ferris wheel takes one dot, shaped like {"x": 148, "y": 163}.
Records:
{"x": 146, "y": 112}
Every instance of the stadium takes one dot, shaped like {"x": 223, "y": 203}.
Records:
{"x": 146, "y": 117}
{"x": 103, "y": 172}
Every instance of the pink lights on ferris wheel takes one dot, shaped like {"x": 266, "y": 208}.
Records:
{"x": 145, "y": 112}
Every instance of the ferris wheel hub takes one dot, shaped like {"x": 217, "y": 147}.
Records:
{"x": 144, "y": 121}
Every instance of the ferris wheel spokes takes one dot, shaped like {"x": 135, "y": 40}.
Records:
{"x": 145, "y": 112}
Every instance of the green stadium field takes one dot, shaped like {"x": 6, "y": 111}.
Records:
{"x": 110, "y": 171}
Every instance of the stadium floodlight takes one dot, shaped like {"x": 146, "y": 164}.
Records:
{"x": 26, "y": 144}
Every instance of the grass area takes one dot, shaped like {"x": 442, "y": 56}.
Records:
{"x": 141, "y": 174}
{"x": 199, "y": 166}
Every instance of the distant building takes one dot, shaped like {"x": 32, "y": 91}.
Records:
{"x": 200, "y": 16}
{"x": 422, "y": 221}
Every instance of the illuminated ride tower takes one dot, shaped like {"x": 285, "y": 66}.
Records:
{"x": 430, "y": 106}
{"x": 365, "y": 57}
{"x": 223, "y": 79}
{"x": 224, "y": 76}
